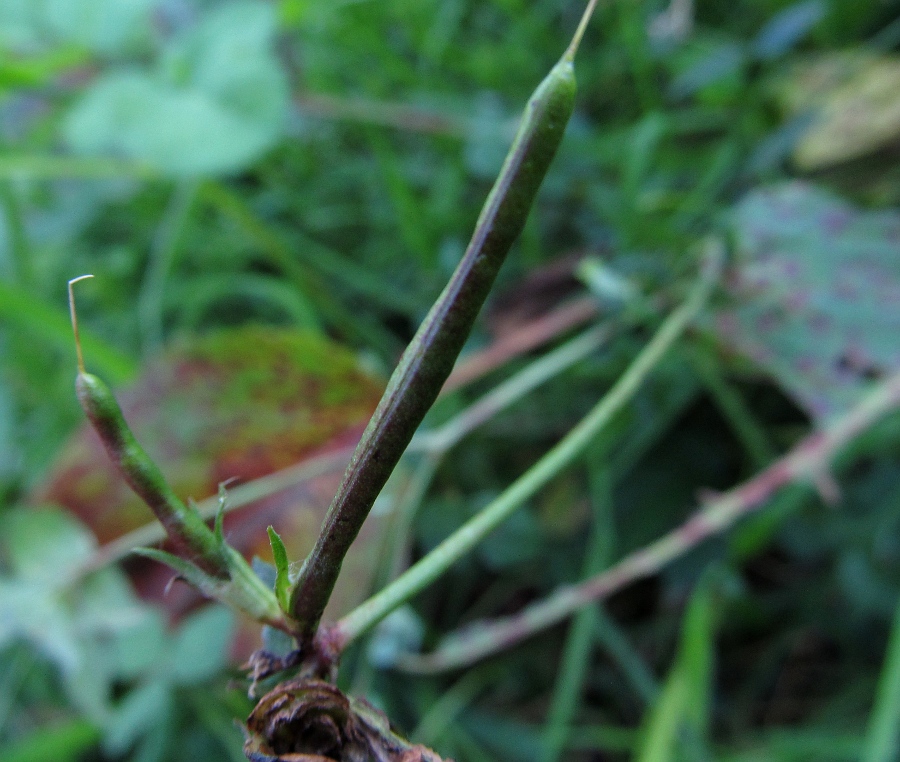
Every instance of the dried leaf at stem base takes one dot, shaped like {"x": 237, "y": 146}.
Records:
{"x": 312, "y": 721}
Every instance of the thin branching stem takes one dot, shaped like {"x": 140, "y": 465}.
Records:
{"x": 442, "y": 439}
{"x": 807, "y": 461}
{"x": 567, "y": 451}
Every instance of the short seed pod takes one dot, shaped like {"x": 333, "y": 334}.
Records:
{"x": 187, "y": 531}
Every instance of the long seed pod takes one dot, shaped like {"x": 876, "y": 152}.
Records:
{"x": 186, "y": 529}
{"x": 429, "y": 358}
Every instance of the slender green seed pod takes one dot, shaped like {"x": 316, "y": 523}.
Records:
{"x": 429, "y": 358}
{"x": 536, "y": 142}
{"x": 194, "y": 540}
{"x": 186, "y": 529}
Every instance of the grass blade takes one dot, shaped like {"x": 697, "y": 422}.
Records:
{"x": 883, "y": 736}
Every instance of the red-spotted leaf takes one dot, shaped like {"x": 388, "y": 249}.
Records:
{"x": 815, "y": 294}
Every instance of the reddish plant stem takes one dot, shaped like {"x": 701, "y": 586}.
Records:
{"x": 526, "y": 338}
{"x": 809, "y": 460}
{"x": 383, "y": 114}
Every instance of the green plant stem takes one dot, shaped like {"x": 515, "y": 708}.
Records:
{"x": 523, "y": 339}
{"x": 444, "y": 713}
{"x": 190, "y": 535}
{"x": 430, "y": 357}
{"x": 423, "y": 573}
{"x": 579, "y": 646}
{"x": 807, "y": 461}
{"x": 436, "y": 443}
{"x": 442, "y": 439}
{"x": 163, "y": 252}
{"x": 186, "y": 530}
{"x": 206, "y": 560}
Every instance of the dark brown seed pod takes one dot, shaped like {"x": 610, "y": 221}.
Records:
{"x": 312, "y": 721}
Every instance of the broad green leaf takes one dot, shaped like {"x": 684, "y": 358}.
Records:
{"x": 29, "y": 611}
{"x": 88, "y": 682}
{"x": 214, "y": 103}
{"x": 200, "y": 646}
{"x": 101, "y": 26}
{"x": 136, "y": 649}
{"x": 64, "y": 741}
{"x": 71, "y": 626}
{"x": 105, "y": 602}
{"x": 815, "y": 294}
{"x": 45, "y": 544}
{"x": 135, "y": 715}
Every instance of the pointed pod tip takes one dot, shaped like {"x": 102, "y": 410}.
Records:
{"x": 579, "y": 32}
{"x": 74, "y": 316}
{"x": 79, "y": 278}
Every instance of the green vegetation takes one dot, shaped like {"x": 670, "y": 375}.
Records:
{"x": 551, "y": 574}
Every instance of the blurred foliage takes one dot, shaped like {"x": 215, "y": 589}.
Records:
{"x": 218, "y": 83}
{"x": 816, "y": 294}
{"x": 317, "y": 168}
{"x": 849, "y": 97}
